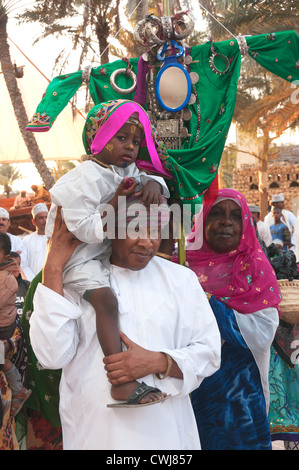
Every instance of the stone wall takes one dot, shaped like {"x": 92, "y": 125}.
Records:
{"x": 283, "y": 178}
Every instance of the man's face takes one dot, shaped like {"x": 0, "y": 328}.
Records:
{"x": 255, "y": 216}
{"x": 279, "y": 204}
{"x": 4, "y": 224}
{"x": 136, "y": 253}
{"x": 40, "y": 221}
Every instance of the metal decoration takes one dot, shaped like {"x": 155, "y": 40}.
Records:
{"x": 171, "y": 65}
{"x": 155, "y": 31}
{"x": 166, "y": 68}
{"x": 242, "y": 45}
{"x": 127, "y": 72}
{"x": 224, "y": 59}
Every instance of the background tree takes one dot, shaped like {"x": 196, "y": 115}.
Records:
{"x": 7, "y": 68}
{"x": 87, "y": 23}
{"x": 61, "y": 168}
{"x": 263, "y": 107}
{"x": 8, "y": 175}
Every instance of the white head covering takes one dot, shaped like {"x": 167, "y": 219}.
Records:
{"x": 41, "y": 207}
{"x": 254, "y": 208}
{"x": 277, "y": 197}
{"x": 4, "y": 213}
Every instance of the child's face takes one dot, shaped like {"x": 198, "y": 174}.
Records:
{"x": 277, "y": 214}
{"x": 123, "y": 148}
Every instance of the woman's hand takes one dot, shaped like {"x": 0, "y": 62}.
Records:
{"x": 134, "y": 363}
{"x": 60, "y": 248}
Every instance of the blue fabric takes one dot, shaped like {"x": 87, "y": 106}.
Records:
{"x": 284, "y": 399}
{"x": 229, "y": 406}
{"x": 277, "y": 232}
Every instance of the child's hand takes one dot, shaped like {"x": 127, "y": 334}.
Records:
{"x": 151, "y": 193}
{"x": 126, "y": 187}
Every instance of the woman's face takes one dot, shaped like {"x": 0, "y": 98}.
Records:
{"x": 223, "y": 226}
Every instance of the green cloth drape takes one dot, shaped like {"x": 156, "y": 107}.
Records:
{"x": 193, "y": 167}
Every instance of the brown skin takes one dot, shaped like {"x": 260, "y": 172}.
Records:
{"x": 223, "y": 226}
{"x": 277, "y": 215}
{"x": 39, "y": 222}
{"x": 122, "y": 150}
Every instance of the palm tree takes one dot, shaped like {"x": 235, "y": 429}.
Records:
{"x": 15, "y": 95}
{"x": 94, "y": 19}
{"x": 263, "y": 100}
{"x": 8, "y": 175}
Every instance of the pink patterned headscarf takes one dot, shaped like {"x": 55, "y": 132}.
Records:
{"x": 105, "y": 119}
{"x": 243, "y": 279}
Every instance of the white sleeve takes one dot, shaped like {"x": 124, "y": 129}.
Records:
{"x": 80, "y": 197}
{"x": 258, "y": 330}
{"x": 201, "y": 357}
{"x": 265, "y": 233}
{"x": 53, "y": 328}
{"x": 144, "y": 178}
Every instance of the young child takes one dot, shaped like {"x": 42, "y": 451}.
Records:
{"x": 8, "y": 313}
{"x": 113, "y": 134}
{"x": 280, "y": 233}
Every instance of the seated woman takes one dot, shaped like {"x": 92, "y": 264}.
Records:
{"x": 231, "y": 406}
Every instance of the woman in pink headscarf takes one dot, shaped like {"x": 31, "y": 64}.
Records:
{"x": 223, "y": 250}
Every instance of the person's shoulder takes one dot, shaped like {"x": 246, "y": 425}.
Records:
{"x": 29, "y": 237}
{"x": 15, "y": 238}
{"x": 175, "y": 269}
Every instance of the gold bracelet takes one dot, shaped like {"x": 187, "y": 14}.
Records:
{"x": 163, "y": 255}
{"x": 169, "y": 364}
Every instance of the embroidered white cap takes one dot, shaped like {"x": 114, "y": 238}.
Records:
{"x": 40, "y": 207}
{"x": 254, "y": 208}
{"x": 4, "y": 213}
{"x": 277, "y": 197}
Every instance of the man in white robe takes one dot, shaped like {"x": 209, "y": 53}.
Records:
{"x": 263, "y": 229}
{"x": 17, "y": 243}
{"x": 162, "y": 310}
{"x": 288, "y": 218}
{"x": 36, "y": 242}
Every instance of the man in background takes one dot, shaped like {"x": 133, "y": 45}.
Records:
{"x": 16, "y": 243}
{"x": 287, "y": 217}
{"x": 36, "y": 242}
{"x": 262, "y": 229}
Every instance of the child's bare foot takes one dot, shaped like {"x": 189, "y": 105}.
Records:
{"x": 124, "y": 391}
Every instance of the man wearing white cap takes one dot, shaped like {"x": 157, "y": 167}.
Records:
{"x": 36, "y": 243}
{"x": 288, "y": 218}
{"x": 262, "y": 229}
{"x": 17, "y": 244}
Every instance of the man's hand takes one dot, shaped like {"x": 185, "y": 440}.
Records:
{"x": 134, "y": 363}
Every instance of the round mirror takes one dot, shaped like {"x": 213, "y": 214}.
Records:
{"x": 173, "y": 87}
